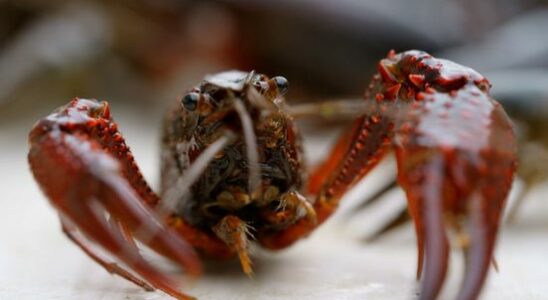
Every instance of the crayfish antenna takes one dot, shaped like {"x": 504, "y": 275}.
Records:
{"x": 252, "y": 151}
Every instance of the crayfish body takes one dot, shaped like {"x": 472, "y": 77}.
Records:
{"x": 233, "y": 171}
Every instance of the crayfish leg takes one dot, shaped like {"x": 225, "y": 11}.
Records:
{"x": 234, "y": 232}
{"x": 321, "y": 172}
{"x": 401, "y": 218}
{"x": 379, "y": 194}
{"x": 355, "y": 154}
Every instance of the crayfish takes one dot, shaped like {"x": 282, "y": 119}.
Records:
{"x": 233, "y": 171}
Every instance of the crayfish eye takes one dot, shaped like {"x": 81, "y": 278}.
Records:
{"x": 282, "y": 84}
{"x": 190, "y": 101}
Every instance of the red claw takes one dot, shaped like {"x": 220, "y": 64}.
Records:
{"x": 456, "y": 155}
{"x": 86, "y": 170}
{"x": 459, "y": 146}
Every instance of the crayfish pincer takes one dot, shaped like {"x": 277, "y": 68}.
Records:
{"x": 233, "y": 171}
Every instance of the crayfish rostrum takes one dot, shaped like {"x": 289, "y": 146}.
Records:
{"x": 233, "y": 168}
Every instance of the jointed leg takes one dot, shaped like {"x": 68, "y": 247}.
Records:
{"x": 377, "y": 196}
{"x": 354, "y": 155}
{"x": 234, "y": 232}
{"x": 292, "y": 207}
{"x": 401, "y": 218}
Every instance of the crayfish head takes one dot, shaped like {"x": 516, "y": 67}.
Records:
{"x": 260, "y": 164}
{"x": 219, "y": 91}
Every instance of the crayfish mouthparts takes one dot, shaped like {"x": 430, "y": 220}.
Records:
{"x": 233, "y": 171}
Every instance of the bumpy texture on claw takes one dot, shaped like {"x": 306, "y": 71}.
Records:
{"x": 456, "y": 155}
{"x": 84, "y": 167}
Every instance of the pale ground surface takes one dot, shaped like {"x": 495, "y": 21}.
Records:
{"x": 38, "y": 262}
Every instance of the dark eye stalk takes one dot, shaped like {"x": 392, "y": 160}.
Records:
{"x": 282, "y": 84}
{"x": 190, "y": 101}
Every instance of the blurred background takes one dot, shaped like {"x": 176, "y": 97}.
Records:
{"x": 148, "y": 51}
{"x": 141, "y": 55}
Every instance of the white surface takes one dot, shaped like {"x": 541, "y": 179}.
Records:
{"x": 38, "y": 262}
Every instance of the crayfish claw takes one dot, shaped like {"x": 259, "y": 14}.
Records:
{"x": 424, "y": 185}
{"x": 478, "y": 251}
{"x": 436, "y": 254}
{"x": 84, "y": 167}
{"x": 92, "y": 222}
{"x": 72, "y": 233}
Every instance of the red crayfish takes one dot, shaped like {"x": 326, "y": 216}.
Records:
{"x": 233, "y": 168}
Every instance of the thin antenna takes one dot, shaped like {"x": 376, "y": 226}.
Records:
{"x": 182, "y": 186}
{"x": 251, "y": 145}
